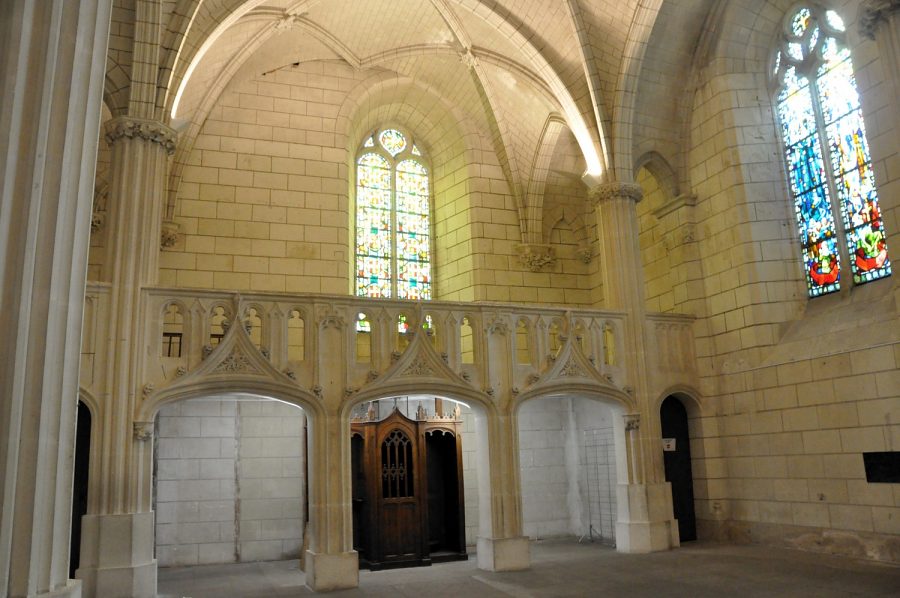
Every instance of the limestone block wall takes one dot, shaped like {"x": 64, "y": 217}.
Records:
{"x": 229, "y": 482}
{"x": 265, "y": 199}
{"x": 567, "y": 464}
{"x": 795, "y": 389}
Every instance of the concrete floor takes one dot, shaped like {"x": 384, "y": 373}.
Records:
{"x": 566, "y": 568}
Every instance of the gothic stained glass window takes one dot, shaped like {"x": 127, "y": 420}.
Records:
{"x": 393, "y": 215}
{"x": 829, "y": 166}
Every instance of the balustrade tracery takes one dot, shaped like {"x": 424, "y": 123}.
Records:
{"x": 288, "y": 329}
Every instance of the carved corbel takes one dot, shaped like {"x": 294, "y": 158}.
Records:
{"x": 143, "y": 430}
{"x": 98, "y": 221}
{"x": 169, "y": 234}
{"x": 585, "y": 253}
{"x": 497, "y": 326}
{"x": 536, "y": 256}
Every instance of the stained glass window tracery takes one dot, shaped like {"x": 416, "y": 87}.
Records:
{"x": 393, "y": 219}
{"x": 827, "y": 155}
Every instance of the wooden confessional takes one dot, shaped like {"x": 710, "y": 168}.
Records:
{"x": 408, "y": 507}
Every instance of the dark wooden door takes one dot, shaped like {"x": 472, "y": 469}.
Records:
{"x": 678, "y": 466}
{"x": 399, "y": 501}
{"x": 408, "y": 506}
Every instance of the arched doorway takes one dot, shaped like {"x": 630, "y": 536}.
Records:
{"x": 80, "y": 482}
{"x": 677, "y": 460}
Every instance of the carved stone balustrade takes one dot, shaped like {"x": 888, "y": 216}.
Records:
{"x": 506, "y": 352}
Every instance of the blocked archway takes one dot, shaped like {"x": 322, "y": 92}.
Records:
{"x": 230, "y": 481}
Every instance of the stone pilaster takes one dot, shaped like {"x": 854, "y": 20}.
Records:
{"x": 52, "y": 64}
{"x": 645, "y": 520}
{"x": 118, "y": 542}
{"x": 506, "y": 548}
{"x": 330, "y": 561}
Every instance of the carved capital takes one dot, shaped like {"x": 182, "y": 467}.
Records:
{"x": 141, "y": 128}
{"x": 168, "y": 236}
{"x": 875, "y": 12}
{"x": 143, "y": 430}
{"x": 608, "y": 191}
{"x": 536, "y": 256}
{"x": 632, "y": 422}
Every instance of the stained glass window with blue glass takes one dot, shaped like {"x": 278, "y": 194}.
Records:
{"x": 393, "y": 215}
{"x": 827, "y": 155}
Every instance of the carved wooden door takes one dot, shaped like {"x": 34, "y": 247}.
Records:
{"x": 401, "y": 470}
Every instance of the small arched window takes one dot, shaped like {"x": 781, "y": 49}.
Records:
{"x": 218, "y": 325}
{"x": 363, "y": 338}
{"x": 296, "y": 334}
{"x": 827, "y": 154}
{"x": 393, "y": 218}
{"x": 173, "y": 331}
{"x": 253, "y": 324}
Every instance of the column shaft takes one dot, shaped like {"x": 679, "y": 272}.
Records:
{"x": 117, "y": 542}
{"x": 52, "y": 62}
{"x": 645, "y": 520}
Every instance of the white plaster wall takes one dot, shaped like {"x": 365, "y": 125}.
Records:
{"x": 229, "y": 482}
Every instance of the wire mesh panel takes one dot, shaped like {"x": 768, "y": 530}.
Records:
{"x": 599, "y": 491}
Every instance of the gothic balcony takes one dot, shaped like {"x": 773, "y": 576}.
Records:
{"x": 351, "y": 346}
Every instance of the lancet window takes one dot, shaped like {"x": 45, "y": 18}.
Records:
{"x": 393, "y": 218}
{"x": 827, "y": 154}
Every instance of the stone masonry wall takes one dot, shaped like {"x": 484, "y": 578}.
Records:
{"x": 229, "y": 482}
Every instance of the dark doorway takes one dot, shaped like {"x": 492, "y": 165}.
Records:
{"x": 80, "y": 482}
{"x": 445, "y": 535}
{"x": 677, "y": 458}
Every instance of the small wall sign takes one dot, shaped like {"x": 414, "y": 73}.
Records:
{"x": 668, "y": 444}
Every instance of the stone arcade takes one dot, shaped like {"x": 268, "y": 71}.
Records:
{"x": 227, "y": 226}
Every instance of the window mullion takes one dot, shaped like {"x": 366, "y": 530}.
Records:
{"x": 395, "y": 269}
{"x": 833, "y": 196}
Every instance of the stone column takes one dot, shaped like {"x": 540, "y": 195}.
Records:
{"x": 118, "y": 540}
{"x": 52, "y": 64}
{"x": 644, "y": 497}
